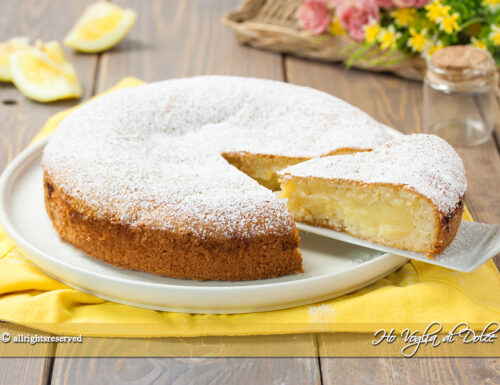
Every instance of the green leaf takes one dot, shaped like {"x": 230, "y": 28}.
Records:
{"x": 358, "y": 54}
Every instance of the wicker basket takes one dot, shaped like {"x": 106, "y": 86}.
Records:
{"x": 271, "y": 25}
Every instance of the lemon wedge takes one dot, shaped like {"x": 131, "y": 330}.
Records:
{"x": 7, "y": 48}
{"x": 43, "y": 73}
{"x": 102, "y": 26}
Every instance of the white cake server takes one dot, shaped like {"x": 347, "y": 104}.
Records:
{"x": 474, "y": 244}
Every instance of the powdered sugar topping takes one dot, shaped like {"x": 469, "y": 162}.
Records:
{"x": 321, "y": 313}
{"x": 425, "y": 163}
{"x": 151, "y": 155}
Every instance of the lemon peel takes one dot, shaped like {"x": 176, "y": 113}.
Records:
{"x": 43, "y": 73}
{"x": 101, "y": 27}
{"x": 6, "y": 49}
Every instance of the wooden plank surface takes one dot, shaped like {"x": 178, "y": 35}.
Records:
{"x": 21, "y": 119}
{"x": 35, "y": 368}
{"x": 397, "y": 102}
{"x": 417, "y": 371}
{"x": 184, "y": 371}
{"x": 389, "y": 99}
{"x": 182, "y": 38}
{"x": 29, "y": 371}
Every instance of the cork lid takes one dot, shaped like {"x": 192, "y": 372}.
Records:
{"x": 460, "y": 64}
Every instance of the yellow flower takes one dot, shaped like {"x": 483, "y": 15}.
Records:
{"x": 418, "y": 40}
{"x": 495, "y": 35}
{"x": 493, "y": 4}
{"x": 404, "y": 16}
{"x": 436, "y": 10}
{"x": 372, "y": 32}
{"x": 478, "y": 43}
{"x": 388, "y": 38}
{"x": 449, "y": 23}
{"x": 434, "y": 47}
{"x": 335, "y": 27}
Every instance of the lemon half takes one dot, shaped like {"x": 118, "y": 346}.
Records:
{"x": 6, "y": 49}
{"x": 43, "y": 73}
{"x": 102, "y": 26}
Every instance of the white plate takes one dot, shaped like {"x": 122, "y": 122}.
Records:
{"x": 332, "y": 268}
{"x": 474, "y": 244}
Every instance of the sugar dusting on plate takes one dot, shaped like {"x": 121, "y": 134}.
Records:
{"x": 321, "y": 313}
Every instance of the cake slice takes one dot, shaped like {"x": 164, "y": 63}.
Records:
{"x": 406, "y": 194}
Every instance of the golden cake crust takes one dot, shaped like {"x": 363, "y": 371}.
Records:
{"x": 448, "y": 227}
{"x": 167, "y": 253}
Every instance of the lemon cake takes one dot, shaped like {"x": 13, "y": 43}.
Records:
{"x": 407, "y": 193}
{"x": 145, "y": 178}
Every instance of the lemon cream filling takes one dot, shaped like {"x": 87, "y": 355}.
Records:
{"x": 395, "y": 217}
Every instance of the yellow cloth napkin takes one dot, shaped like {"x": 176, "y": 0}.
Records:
{"x": 411, "y": 297}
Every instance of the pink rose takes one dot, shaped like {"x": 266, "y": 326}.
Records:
{"x": 314, "y": 15}
{"x": 410, "y": 3}
{"x": 355, "y": 14}
{"x": 386, "y": 4}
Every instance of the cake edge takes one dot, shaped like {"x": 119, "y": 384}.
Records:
{"x": 190, "y": 257}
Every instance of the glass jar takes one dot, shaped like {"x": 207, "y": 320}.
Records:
{"x": 459, "y": 95}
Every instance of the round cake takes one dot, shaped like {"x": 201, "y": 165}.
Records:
{"x": 174, "y": 178}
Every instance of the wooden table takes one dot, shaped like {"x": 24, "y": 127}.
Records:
{"x": 185, "y": 38}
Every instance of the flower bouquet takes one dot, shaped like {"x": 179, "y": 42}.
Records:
{"x": 380, "y": 35}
